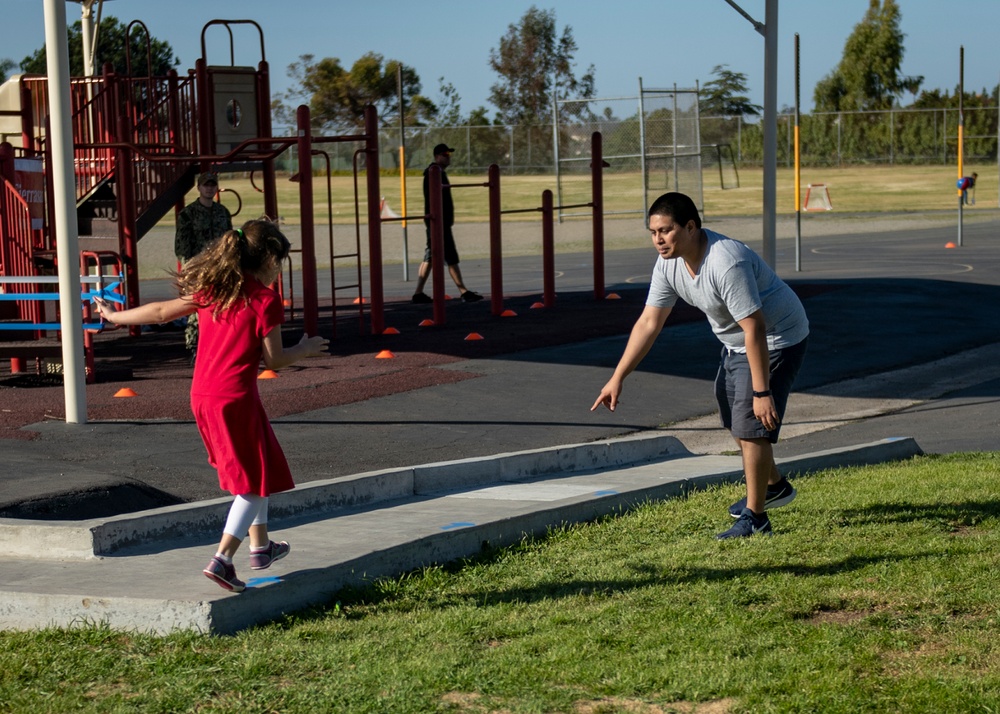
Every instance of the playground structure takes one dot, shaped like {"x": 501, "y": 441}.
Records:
{"x": 138, "y": 144}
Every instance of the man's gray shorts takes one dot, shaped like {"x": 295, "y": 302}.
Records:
{"x": 734, "y": 390}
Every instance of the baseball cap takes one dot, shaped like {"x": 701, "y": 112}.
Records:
{"x": 208, "y": 177}
{"x": 442, "y": 149}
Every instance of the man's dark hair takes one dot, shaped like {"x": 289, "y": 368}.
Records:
{"x": 678, "y": 206}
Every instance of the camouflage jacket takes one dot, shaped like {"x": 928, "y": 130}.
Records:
{"x": 198, "y": 226}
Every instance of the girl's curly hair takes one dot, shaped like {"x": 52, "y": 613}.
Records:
{"x": 215, "y": 276}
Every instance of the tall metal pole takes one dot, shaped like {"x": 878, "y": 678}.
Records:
{"x": 402, "y": 171}
{"x": 770, "y": 130}
{"x": 798, "y": 168}
{"x": 961, "y": 136}
{"x": 66, "y": 227}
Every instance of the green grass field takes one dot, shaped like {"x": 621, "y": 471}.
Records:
{"x": 877, "y": 189}
{"x": 878, "y": 594}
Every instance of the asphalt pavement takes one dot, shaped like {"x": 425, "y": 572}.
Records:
{"x": 904, "y": 350}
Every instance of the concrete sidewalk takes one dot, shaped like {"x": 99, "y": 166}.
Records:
{"x": 346, "y": 532}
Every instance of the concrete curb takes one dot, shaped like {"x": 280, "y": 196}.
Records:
{"x": 166, "y": 525}
{"x": 385, "y": 539}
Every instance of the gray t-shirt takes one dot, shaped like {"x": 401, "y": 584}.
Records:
{"x": 732, "y": 283}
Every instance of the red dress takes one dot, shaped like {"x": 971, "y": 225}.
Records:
{"x": 224, "y": 398}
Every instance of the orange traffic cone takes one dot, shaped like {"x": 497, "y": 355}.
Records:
{"x": 508, "y": 313}
{"x": 949, "y": 244}
{"x": 125, "y": 392}
{"x": 536, "y": 305}
{"x": 426, "y": 323}
{"x": 268, "y": 374}
{"x": 384, "y": 354}
{"x": 612, "y": 296}
{"x": 473, "y": 336}
{"x": 390, "y": 331}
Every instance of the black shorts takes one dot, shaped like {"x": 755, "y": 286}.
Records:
{"x": 734, "y": 390}
{"x": 450, "y": 251}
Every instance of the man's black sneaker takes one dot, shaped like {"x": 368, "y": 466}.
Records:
{"x": 778, "y": 495}
{"x": 470, "y": 296}
{"x": 421, "y": 299}
{"x": 748, "y": 525}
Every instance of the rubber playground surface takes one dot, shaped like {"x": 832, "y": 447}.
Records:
{"x": 157, "y": 368}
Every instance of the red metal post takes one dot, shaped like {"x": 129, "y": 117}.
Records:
{"x": 597, "y": 201}
{"x": 310, "y": 301}
{"x": 374, "y": 220}
{"x": 548, "y": 250}
{"x": 434, "y": 196}
{"x": 127, "y": 218}
{"x": 496, "y": 251}
{"x": 203, "y": 102}
{"x": 264, "y": 126}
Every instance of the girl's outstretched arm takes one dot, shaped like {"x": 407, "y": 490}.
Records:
{"x": 276, "y": 356}
{"x": 149, "y": 314}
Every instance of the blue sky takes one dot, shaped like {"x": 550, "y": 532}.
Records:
{"x": 666, "y": 42}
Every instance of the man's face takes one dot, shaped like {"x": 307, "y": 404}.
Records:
{"x": 208, "y": 189}
{"x": 444, "y": 160}
{"x": 670, "y": 239}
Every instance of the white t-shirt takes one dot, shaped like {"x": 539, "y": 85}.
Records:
{"x": 732, "y": 283}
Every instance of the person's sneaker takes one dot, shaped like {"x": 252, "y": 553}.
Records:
{"x": 259, "y": 560}
{"x": 421, "y": 299}
{"x": 778, "y": 495}
{"x": 224, "y": 574}
{"x": 470, "y": 296}
{"x": 748, "y": 524}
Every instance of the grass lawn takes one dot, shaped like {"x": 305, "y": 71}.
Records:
{"x": 878, "y": 594}
{"x": 869, "y": 189}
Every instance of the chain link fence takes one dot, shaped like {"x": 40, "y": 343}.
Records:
{"x": 660, "y": 153}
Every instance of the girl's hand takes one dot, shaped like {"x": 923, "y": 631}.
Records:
{"x": 105, "y": 309}
{"x": 313, "y": 346}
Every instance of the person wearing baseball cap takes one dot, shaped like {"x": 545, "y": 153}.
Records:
{"x": 198, "y": 224}
{"x": 442, "y": 157}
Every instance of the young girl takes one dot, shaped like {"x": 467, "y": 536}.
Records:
{"x": 240, "y": 318}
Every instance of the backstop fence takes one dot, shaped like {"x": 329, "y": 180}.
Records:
{"x": 657, "y": 142}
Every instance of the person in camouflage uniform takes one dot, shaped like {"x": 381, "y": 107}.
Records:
{"x": 198, "y": 224}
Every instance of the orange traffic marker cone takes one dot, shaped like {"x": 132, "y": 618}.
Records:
{"x": 268, "y": 374}
{"x": 125, "y": 392}
{"x": 612, "y": 296}
{"x": 508, "y": 313}
{"x": 473, "y": 336}
{"x": 360, "y": 301}
{"x": 536, "y": 305}
{"x": 390, "y": 331}
{"x": 949, "y": 244}
{"x": 286, "y": 302}
{"x": 384, "y": 354}
{"x": 426, "y": 323}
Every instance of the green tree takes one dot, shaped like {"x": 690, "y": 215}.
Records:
{"x": 868, "y": 76}
{"x": 726, "y": 95}
{"x": 111, "y": 47}
{"x": 337, "y": 97}
{"x": 533, "y": 63}
{"x": 6, "y": 65}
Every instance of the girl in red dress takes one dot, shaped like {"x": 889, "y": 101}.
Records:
{"x": 240, "y": 320}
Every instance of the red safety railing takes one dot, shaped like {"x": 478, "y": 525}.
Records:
{"x": 16, "y": 238}
{"x": 161, "y": 119}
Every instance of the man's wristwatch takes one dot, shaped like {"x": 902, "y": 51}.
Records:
{"x": 765, "y": 393}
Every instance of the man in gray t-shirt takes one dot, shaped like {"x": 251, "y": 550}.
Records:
{"x": 763, "y": 329}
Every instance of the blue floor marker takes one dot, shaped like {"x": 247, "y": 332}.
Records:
{"x": 457, "y": 524}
